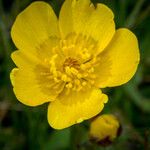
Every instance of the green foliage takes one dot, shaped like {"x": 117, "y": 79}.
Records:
{"x": 23, "y": 127}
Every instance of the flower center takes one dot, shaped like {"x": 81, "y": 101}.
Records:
{"x": 73, "y": 63}
{"x": 78, "y": 76}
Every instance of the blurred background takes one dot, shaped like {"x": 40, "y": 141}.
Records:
{"x": 26, "y": 128}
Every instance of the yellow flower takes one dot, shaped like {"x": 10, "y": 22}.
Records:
{"x": 66, "y": 60}
{"x": 104, "y": 129}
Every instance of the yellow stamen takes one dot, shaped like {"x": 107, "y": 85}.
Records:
{"x": 77, "y": 72}
{"x": 69, "y": 85}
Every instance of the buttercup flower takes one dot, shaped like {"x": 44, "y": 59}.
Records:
{"x": 104, "y": 129}
{"x": 66, "y": 60}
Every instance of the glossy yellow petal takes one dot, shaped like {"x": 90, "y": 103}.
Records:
{"x": 26, "y": 89}
{"x": 25, "y": 60}
{"x": 75, "y": 107}
{"x": 118, "y": 63}
{"x": 34, "y": 25}
{"x": 104, "y": 128}
{"x": 32, "y": 90}
{"x": 82, "y": 17}
{"x": 31, "y": 81}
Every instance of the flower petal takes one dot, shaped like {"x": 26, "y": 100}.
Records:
{"x": 118, "y": 63}
{"x": 23, "y": 58}
{"x": 31, "y": 82}
{"x": 75, "y": 107}
{"x": 34, "y": 25}
{"x": 82, "y": 17}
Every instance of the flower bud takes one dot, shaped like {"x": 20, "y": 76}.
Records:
{"x": 104, "y": 129}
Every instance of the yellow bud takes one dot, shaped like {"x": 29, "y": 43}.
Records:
{"x": 104, "y": 129}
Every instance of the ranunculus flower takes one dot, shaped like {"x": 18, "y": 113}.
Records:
{"x": 66, "y": 60}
